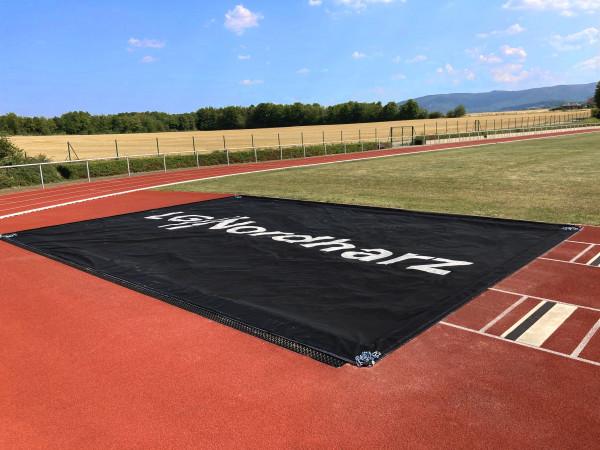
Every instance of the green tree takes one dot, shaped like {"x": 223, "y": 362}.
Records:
{"x": 597, "y": 95}
{"x": 389, "y": 111}
{"x": 410, "y": 110}
{"x": 76, "y": 122}
{"x": 459, "y": 111}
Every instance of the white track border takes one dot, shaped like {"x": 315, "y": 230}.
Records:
{"x": 129, "y": 191}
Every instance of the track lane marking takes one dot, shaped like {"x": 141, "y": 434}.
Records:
{"x": 594, "y": 260}
{"x": 359, "y": 156}
{"x": 586, "y": 339}
{"x": 582, "y": 242}
{"x": 582, "y": 253}
{"x": 564, "y": 355}
{"x": 543, "y": 328}
{"x": 503, "y": 314}
{"x": 545, "y": 299}
{"x": 523, "y": 319}
{"x": 556, "y": 260}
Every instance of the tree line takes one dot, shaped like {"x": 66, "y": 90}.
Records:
{"x": 263, "y": 115}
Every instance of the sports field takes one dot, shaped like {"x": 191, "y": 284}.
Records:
{"x": 90, "y": 363}
{"x": 103, "y": 146}
{"x": 552, "y": 180}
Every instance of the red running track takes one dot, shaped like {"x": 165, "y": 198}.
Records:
{"x": 19, "y": 202}
{"x": 86, "y": 363}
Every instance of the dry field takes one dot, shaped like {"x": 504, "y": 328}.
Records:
{"x": 100, "y": 146}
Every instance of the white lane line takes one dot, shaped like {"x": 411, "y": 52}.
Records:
{"x": 513, "y": 306}
{"x": 583, "y": 242}
{"x": 546, "y": 325}
{"x": 582, "y": 253}
{"x": 477, "y": 144}
{"x": 593, "y": 259}
{"x": 564, "y": 355}
{"x": 586, "y": 339}
{"x": 545, "y": 299}
{"x": 561, "y": 261}
{"x": 222, "y": 176}
{"x": 524, "y": 318}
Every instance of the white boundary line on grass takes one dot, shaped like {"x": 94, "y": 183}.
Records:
{"x": 279, "y": 168}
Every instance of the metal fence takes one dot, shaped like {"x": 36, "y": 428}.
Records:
{"x": 227, "y": 156}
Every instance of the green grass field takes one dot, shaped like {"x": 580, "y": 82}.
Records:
{"x": 550, "y": 180}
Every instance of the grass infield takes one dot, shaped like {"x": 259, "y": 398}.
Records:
{"x": 549, "y": 180}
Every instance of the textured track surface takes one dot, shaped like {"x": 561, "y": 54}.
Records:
{"x": 86, "y": 363}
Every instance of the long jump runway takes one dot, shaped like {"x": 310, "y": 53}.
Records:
{"x": 88, "y": 363}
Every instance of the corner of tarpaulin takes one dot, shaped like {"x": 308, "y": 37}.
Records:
{"x": 367, "y": 359}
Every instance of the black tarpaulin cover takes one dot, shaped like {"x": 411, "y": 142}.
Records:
{"x": 349, "y": 282}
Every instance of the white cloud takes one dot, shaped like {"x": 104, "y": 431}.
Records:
{"x": 449, "y": 68}
{"x": 417, "y": 58}
{"x": 148, "y": 59}
{"x": 145, "y": 43}
{"x": 314, "y": 2}
{"x": 592, "y": 65}
{"x": 514, "y": 51}
{"x": 566, "y": 8}
{"x": 470, "y": 75}
{"x": 248, "y": 82}
{"x": 515, "y": 29}
{"x": 399, "y": 77}
{"x": 304, "y": 70}
{"x": 359, "y": 4}
{"x": 358, "y": 55}
{"x": 243, "y": 57}
{"x": 516, "y": 76}
{"x": 574, "y": 41}
{"x": 240, "y": 18}
{"x": 490, "y": 58}
{"x": 512, "y": 30}
{"x": 439, "y": 70}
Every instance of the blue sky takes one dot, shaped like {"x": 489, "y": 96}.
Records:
{"x": 123, "y": 55}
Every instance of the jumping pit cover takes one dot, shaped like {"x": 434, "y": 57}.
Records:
{"x": 339, "y": 283}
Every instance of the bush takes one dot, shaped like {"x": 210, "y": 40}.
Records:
{"x": 11, "y": 155}
{"x": 435, "y": 114}
{"x": 459, "y": 111}
{"x": 596, "y": 113}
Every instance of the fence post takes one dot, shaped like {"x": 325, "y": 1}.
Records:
{"x": 117, "y": 149}
{"x": 197, "y": 161}
{"x": 344, "y": 147}
{"x": 87, "y": 166}
{"x": 280, "y": 149}
{"x": 165, "y": 161}
{"x": 157, "y": 149}
{"x": 303, "y": 145}
{"x": 69, "y": 149}
{"x": 255, "y": 155}
{"x": 194, "y": 144}
{"x": 41, "y": 176}
{"x": 128, "y": 171}
{"x": 227, "y": 152}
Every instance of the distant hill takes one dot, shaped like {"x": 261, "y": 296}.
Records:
{"x": 546, "y": 97}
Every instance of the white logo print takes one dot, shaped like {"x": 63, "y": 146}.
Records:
{"x": 240, "y": 225}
